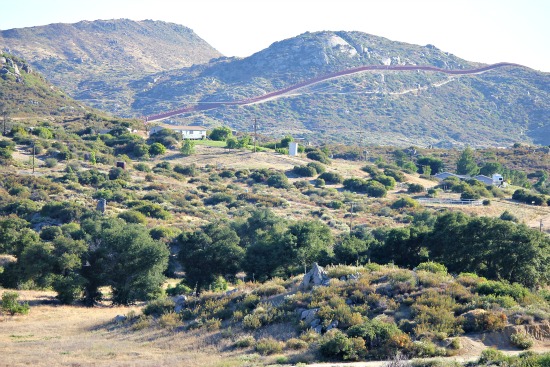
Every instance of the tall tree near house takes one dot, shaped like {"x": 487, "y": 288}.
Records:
{"x": 466, "y": 164}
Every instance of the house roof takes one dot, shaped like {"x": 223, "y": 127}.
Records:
{"x": 444, "y": 175}
{"x": 483, "y": 178}
{"x": 181, "y": 127}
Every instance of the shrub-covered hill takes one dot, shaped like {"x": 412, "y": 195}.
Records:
{"x": 26, "y": 93}
{"x": 94, "y": 61}
{"x": 401, "y": 108}
{"x": 358, "y": 313}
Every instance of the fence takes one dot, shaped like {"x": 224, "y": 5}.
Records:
{"x": 450, "y": 201}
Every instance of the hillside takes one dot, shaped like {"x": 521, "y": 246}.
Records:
{"x": 24, "y": 93}
{"x": 94, "y": 61}
{"x": 494, "y": 108}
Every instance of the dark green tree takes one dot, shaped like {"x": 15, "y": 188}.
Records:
{"x": 311, "y": 241}
{"x": 490, "y": 168}
{"x": 125, "y": 257}
{"x": 351, "y": 250}
{"x": 220, "y": 133}
{"x": 466, "y": 164}
{"x": 208, "y": 253}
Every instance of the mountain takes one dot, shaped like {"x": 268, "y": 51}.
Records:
{"x": 25, "y": 93}
{"x": 497, "y": 107}
{"x": 94, "y": 61}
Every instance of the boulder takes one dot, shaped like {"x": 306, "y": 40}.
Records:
{"x": 308, "y": 315}
{"x": 119, "y": 318}
{"x": 315, "y": 277}
{"x": 315, "y": 323}
{"x": 332, "y": 325}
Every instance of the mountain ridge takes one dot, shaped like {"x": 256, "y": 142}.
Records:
{"x": 390, "y": 107}
{"x": 491, "y": 109}
{"x": 94, "y": 60}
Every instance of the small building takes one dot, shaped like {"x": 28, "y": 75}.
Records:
{"x": 496, "y": 180}
{"x": 293, "y": 148}
{"x": 187, "y": 132}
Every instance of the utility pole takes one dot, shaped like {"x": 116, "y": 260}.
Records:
{"x": 541, "y": 225}
{"x": 351, "y": 216}
{"x": 33, "y": 154}
{"x": 255, "y": 133}
{"x": 5, "y": 115}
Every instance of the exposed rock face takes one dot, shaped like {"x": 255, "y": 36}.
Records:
{"x": 315, "y": 277}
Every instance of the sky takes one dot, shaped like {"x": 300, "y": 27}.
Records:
{"x": 486, "y": 31}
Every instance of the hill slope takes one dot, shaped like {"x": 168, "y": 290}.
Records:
{"x": 25, "y": 93}
{"x": 93, "y": 61}
{"x": 399, "y": 107}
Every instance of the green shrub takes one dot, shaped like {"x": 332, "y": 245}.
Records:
{"x": 159, "y": 307}
{"x": 521, "y": 340}
{"x": 133, "y": 216}
{"x": 170, "y": 320}
{"x": 319, "y": 156}
{"x": 405, "y": 202}
{"x": 432, "y": 267}
{"x": 178, "y": 289}
{"x": 335, "y": 344}
{"x": 269, "y": 289}
{"x": 190, "y": 170}
{"x": 244, "y": 342}
{"x": 278, "y": 180}
{"x": 304, "y": 171}
{"x": 515, "y": 290}
{"x": 252, "y": 322}
{"x": 11, "y": 306}
{"x": 415, "y": 188}
{"x": 267, "y": 346}
{"x": 332, "y": 177}
{"x": 492, "y": 356}
{"x": 294, "y": 343}
{"x": 319, "y": 168}
{"x": 50, "y": 162}
{"x": 143, "y": 167}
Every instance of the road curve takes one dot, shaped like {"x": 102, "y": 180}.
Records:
{"x": 209, "y": 106}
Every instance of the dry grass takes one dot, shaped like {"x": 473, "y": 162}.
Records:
{"x": 55, "y": 335}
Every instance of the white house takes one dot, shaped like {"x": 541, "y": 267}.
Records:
{"x": 187, "y": 132}
{"x": 496, "y": 180}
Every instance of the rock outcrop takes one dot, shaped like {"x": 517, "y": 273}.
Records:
{"x": 315, "y": 277}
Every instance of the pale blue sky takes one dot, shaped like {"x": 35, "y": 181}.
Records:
{"x": 478, "y": 30}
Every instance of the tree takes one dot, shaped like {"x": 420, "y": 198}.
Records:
{"x": 310, "y": 241}
{"x": 220, "y": 133}
{"x": 231, "y": 143}
{"x": 490, "y": 168}
{"x": 466, "y": 164}
{"x": 435, "y": 164}
{"x": 125, "y": 257}
{"x": 188, "y": 148}
{"x": 157, "y": 149}
{"x": 11, "y": 305}
{"x": 208, "y": 253}
{"x": 284, "y": 141}
{"x": 351, "y": 250}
